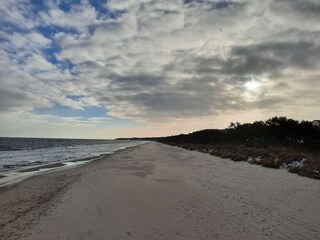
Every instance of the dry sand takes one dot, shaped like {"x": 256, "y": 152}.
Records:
{"x": 156, "y": 191}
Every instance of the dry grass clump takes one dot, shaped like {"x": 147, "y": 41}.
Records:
{"x": 297, "y": 170}
{"x": 258, "y": 152}
{"x": 239, "y": 157}
{"x": 311, "y": 167}
{"x": 282, "y": 159}
{"x": 289, "y": 157}
{"x": 270, "y": 163}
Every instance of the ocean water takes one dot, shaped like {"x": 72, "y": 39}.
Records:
{"x": 20, "y": 153}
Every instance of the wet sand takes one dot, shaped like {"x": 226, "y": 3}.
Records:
{"x": 155, "y": 191}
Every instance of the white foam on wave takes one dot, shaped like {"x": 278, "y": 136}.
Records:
{"x": 14, "y": 177}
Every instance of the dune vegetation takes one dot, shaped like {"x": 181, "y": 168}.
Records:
{"x": 278, "y": 142}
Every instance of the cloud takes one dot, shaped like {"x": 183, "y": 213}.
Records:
{"x": 268, "y": 58}
{"x": 15, "y": 100}
{"x": 16, "y": 13}
{"x": 158, "y": 61}
{"x": 299, "y": 8}
{"x": 78, "y": 17}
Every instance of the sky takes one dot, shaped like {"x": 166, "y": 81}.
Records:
{"x": 124, "y": 68}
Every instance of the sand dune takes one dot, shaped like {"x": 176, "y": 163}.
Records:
{"x": 156, "y": 191}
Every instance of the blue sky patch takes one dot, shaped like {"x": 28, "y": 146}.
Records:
{"x": 50, "y": 52}
{"x": 74, "y": 97}
{"x": 63, "y": 111}
{"x": 99, "y": 6}
{"x": 102, "y": 11}
{"x": 50, "y": 30}
{"x": 37, "y": 6}
{"x": 67, "y": 5}
{"x": 87, "y": 114}
{"x": 50, "y": 55}
{"x": 65, "y": 64}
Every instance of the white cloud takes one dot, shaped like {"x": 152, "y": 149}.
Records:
{"x": 79, "y": 17}
{"x": 17, "y": 12}
{"x": 38, "y": 40}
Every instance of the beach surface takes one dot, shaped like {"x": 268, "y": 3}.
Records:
{"x": 156, "y": 191}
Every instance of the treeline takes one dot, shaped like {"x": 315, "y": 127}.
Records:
{"x": 274, "y": 130}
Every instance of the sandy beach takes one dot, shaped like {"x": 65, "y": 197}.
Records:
{"x": 156, "y": 191}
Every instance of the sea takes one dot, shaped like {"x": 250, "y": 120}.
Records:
{"x": 24, "y": 153}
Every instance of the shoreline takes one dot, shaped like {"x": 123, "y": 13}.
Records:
{"x": 16, "y": 176}
{"x": 156, "y": 191}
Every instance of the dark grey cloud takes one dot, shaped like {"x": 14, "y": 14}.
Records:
{"x": 135, "y": 82}
{"x": 186, "y": 98}
{"x": 303, "y": 8}
{"x": 304, "y": 55}
{"x": 11, "y": 100}
{"x": 266, "y": 58}
{"x": 139, "y": 80}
